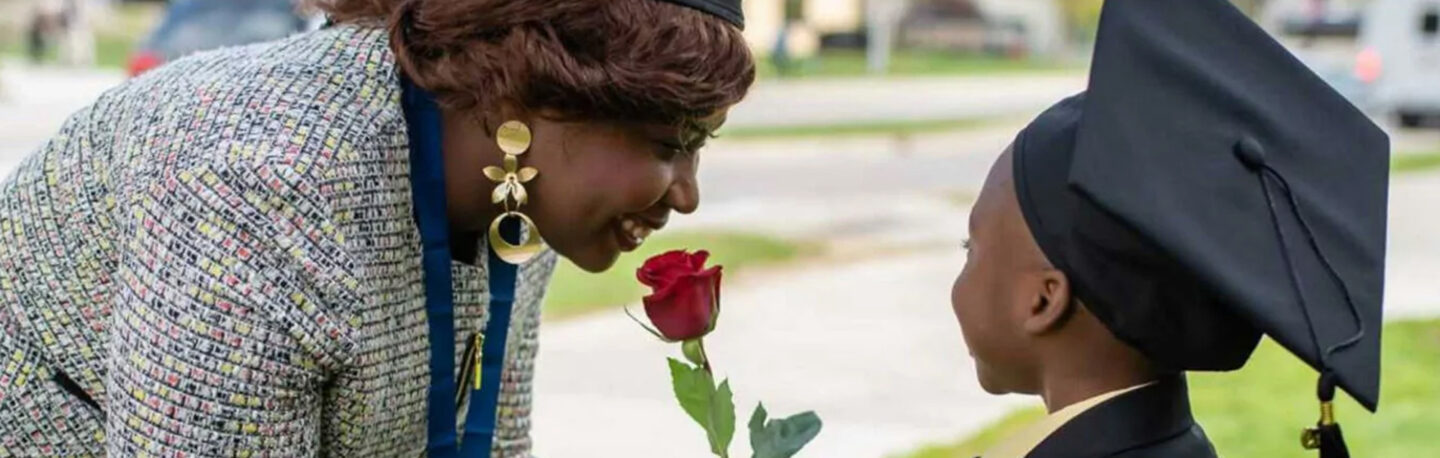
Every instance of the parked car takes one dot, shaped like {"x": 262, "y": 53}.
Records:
{"x": 191, "y": 26}
{"x": 1399, "y": 60}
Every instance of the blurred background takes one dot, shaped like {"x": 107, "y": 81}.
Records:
{"x": 837, "y": 199}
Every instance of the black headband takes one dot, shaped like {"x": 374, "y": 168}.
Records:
{"x": 728, "y": 10}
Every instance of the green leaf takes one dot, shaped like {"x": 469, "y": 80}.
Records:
{"x": 796, "y": 431}
{"x": 693, "y": 388}
{"x": 722, "y": 411}
{"x": 782, "y": 438}
{"x": 714, "y": 411}
{"x": 757, "y": 427}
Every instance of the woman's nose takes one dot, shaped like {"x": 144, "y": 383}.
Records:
{"x": 684, "y": 193}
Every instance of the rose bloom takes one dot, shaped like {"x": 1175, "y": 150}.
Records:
{"x": 685, "y": 296}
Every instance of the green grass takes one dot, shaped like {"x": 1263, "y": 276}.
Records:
{"x": 575, "y": 292}
{"x": 1260, "y": 410}
{"x": 849, "y": 63}
{"x": 132, "y": 22}
{"x": 960, "y": 198}
{"x": 989, "y": 437}
{"x": 854, "y": 129}
{"x": 113, "y": 51}
{"x": 1414, "y": 162}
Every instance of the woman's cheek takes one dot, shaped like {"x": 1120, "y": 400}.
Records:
{"x": 642, "y": 184}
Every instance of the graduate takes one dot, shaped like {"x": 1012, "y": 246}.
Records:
{"x": 1207, "y": 189}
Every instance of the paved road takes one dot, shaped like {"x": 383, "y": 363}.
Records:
{"x": 849, "y": 166}
{"x": 36, "y": 100}
{"x": 773, "y": 103}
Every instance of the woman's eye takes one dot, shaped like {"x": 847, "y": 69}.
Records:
{"x": 668, "y": 151}
{"x": 966, "y": 244}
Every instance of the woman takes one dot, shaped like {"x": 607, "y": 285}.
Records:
{"x": 248, "y": 251}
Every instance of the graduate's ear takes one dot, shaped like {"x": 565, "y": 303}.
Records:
{"x": 1051, "y": 303}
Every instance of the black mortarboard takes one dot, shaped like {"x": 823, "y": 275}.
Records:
{"x": 728, "y": 10}
{"x": 1208, "y": 188}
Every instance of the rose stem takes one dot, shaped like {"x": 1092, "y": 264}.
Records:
{"x": 705, "y": 358}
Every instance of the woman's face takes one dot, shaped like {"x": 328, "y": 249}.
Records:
{"x": 605, "y": 187}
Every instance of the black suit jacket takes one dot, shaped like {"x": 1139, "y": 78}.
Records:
{"x": 1153, "y": 421}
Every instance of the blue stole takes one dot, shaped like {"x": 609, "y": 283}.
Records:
{"x": 427, "y": 182}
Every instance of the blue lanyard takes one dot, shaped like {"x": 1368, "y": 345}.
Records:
{"x": 427, "y": 181}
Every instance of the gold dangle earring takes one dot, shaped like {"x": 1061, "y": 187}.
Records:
{"x": 514, "y": 140}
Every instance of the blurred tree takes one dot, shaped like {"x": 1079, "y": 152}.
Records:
{"x": 944, "y": 8}
{"x": 1250, "y": 7}
{"x": 794, "y": 10}
{"x": 780, "y": 52}
{"x": 1082, "y": 17}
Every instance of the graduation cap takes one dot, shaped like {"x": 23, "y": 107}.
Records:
{"x": 728, "y": 10}
{"x": 1207, "y": 189}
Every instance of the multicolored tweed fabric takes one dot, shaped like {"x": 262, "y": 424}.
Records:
{"x": 221, "y": 255}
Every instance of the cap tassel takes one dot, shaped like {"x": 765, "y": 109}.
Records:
{"x": 1326, "y": 436}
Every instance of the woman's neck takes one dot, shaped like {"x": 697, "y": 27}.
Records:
{"x": 467, "y": 150}
{"x": 465, "y": 247}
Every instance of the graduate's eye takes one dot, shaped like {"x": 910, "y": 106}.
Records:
{"x": 965, "y": 244}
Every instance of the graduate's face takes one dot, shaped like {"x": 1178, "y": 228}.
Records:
{"x": 995, "y": 293}
{"x": 603, "y": 187}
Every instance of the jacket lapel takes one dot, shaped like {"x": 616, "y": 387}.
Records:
{"x": 1144, "y": 416}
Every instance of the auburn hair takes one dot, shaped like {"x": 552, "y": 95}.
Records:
{"x": 622, "y": 60}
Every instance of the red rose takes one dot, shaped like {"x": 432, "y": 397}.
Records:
{"x": 684, "y": 296}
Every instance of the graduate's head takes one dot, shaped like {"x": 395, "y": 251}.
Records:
{"x": 1205, "y": 190}
{"x": 1005, "y": 279}
{"x": 1017, "y": 311}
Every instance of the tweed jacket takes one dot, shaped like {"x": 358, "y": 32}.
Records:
{"x": 220, "y": 258}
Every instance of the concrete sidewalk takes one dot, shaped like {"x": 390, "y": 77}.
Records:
{"x": 872, "y": 347}
{"x": 36, "y": 101}
{"x": 1412, "y": 262}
